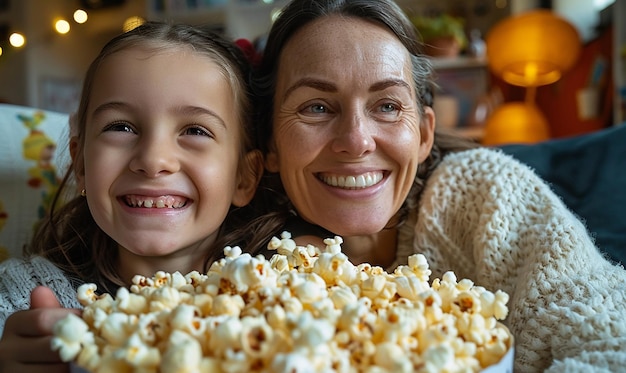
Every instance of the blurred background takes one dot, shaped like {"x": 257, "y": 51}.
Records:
{"x": 46, "y": 46}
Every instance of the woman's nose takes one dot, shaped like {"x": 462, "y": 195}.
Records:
{"x": 155, "y": 157}
{"x": 354, "y": 135}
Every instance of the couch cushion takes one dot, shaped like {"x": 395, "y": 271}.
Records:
{"x": 34, "y": 155}
{"x": 589, "y": 173}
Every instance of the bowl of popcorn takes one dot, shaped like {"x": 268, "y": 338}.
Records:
{"x": 306, "y": 309}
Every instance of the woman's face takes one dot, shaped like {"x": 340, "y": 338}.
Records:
{"x": 348, "y": 136}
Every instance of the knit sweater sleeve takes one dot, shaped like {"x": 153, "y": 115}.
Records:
{"x": 18, "y": 277}
{"x": 491, "y": 219}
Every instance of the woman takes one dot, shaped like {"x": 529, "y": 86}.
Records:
{"x": 351, "y": 149}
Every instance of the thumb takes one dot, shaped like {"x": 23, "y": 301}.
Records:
{"x": 43, "y": 297}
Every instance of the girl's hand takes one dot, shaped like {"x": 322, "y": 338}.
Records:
{"x": 25, "y": 344}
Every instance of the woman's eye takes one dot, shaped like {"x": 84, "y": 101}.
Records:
{"x": 316, "y": 109}
{"x": 388, "y": 108}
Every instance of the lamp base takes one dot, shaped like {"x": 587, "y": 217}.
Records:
{"x": 515, "y": 123}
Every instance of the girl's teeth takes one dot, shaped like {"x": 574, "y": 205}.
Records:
{"x": 160, "y": 203}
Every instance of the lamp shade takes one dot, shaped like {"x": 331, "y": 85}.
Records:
{"x": 533, "y": 48}
{"x": 515, "y": 123}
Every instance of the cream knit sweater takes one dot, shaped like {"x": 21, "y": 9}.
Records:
{"x": 488, "y": 218}
{"x": 491, "y": 219}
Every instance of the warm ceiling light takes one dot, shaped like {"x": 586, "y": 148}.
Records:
{"x": 132, "y": 22}
{"x": 17, "y": 40}
{"x": 80, "y": 16}
{"x": 62, "y": 26}
{"x": 0, "y": 51}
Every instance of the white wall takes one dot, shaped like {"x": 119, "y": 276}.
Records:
{"x": 583, "y": 14}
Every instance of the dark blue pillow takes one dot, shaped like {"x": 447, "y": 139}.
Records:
{"x": 589, "y": 173}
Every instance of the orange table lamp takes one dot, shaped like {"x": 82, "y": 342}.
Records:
{"x": 529, "y": 50}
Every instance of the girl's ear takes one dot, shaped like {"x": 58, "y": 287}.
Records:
{"x": 427, "y": 133}
{"x": 77, "y": 162}
{"x": 250, "y": 173}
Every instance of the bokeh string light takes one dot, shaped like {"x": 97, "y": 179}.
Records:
{"x": 62, "y": 26}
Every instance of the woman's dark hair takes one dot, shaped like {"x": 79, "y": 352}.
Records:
{"x": 69, "y": 236}
{"x": 387, "y": 13}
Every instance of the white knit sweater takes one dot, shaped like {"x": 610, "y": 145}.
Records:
{"x": 491, "y": 219}
{"x": 18, "y": 277}
{"x": 488, "y": 218}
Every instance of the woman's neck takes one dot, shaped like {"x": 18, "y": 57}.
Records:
{"x": 377, "y": 249}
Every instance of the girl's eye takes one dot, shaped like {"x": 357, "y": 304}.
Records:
{"x": 119, "y": 127}
{"x": 197, "y": 131}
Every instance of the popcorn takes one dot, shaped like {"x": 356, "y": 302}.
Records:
{"x": 305, "y": 309}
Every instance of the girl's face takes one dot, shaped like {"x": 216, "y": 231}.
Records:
{"x": 348, "y": 136}
{"x": 161, "y": 153}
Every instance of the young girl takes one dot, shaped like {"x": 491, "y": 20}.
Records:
{"x": 162, "y": 149}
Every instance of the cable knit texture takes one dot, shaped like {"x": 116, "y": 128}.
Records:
{"x": 18, "y": 277}
{"x": 491, "y": 219}
{"x": 488, "y": 218}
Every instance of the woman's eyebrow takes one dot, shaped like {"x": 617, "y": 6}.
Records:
{"x": 379, "y": 86}
{"x": 318, "y": 84}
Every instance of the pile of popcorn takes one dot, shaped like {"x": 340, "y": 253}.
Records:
{"x": 305, "y": 309}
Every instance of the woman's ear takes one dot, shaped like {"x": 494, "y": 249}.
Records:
{"x": 427, "y": 133}
{"x": 250, "y": 173}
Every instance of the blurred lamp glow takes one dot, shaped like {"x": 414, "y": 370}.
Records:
{"x": 80, "y": 16}
{"x": 533, "y": 48}
{"x": 17, "y": 40}
{"x": 516, "y": 123}
{"x": 530, "y": 49}
{"x": 62, "y": 26}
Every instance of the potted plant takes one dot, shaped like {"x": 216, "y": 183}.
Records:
{"x": 443, "y": 35}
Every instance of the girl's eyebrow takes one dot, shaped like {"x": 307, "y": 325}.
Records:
{"x": 113, "y": 105}
{"x": 198, "y": 110}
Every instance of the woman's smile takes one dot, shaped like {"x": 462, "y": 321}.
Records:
{"x": 360, "y": 181}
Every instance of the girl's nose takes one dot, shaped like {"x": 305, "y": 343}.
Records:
{"x": 354, "y": 136}
{"x": 155, "y": 157}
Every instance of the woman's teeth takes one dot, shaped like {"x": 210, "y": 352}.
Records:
{"x": 162, "y": 202}
{"x": 353, "y": 182}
